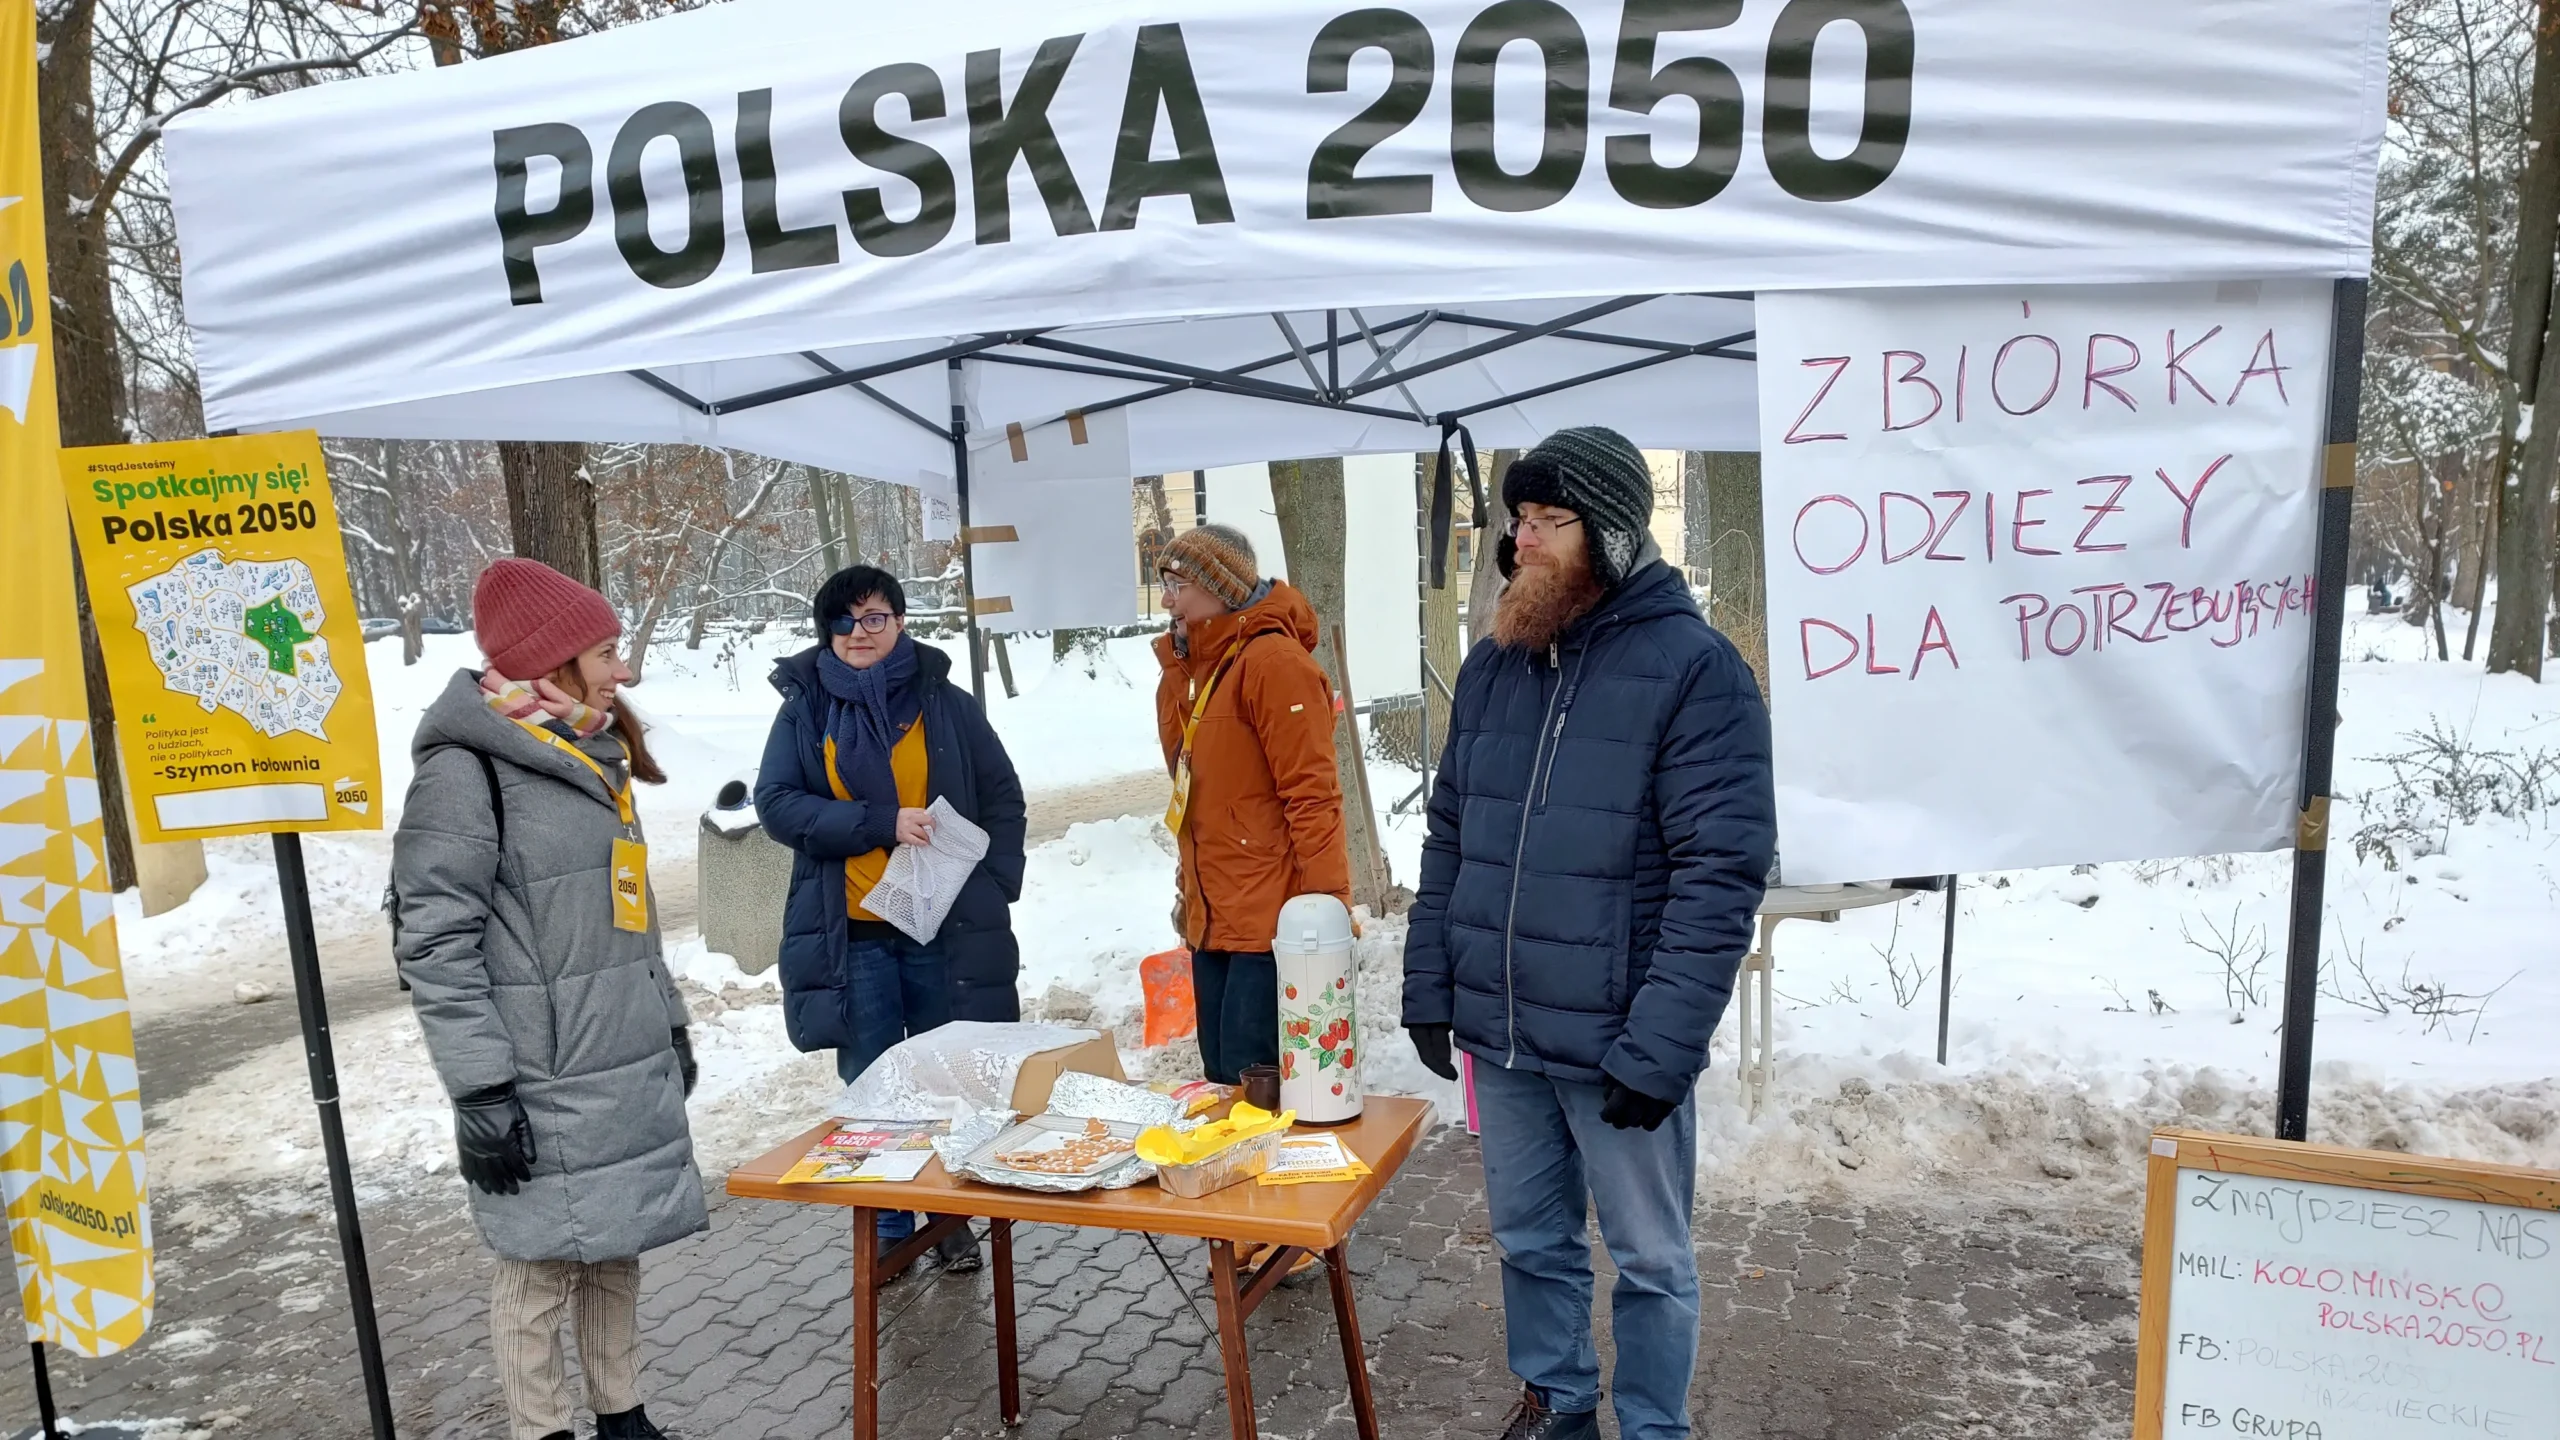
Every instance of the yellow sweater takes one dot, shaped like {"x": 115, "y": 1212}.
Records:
{"x": 907, "y": 763}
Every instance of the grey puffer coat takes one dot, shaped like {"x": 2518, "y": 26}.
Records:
{"x": 519, "y": 976}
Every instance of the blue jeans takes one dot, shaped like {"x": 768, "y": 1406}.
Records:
{"x": 1549, "y": 1157}
{"x": 893, "y": 988}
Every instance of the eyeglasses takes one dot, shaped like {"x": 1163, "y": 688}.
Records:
{"x": 1171, "y": 584}
{"x": 872, "y": 624}
{"x": 1540, "y": 528}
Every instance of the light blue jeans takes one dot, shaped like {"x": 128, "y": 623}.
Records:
{"x": 1548, "y": 1159}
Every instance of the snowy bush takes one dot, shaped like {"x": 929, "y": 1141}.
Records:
{"x": 2442, "y": 781}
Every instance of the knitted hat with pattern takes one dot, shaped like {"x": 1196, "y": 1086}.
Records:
{"x": 1218, "y": 559}
{"x": 531, "y": 619}
{"x": 1598, "y": 474}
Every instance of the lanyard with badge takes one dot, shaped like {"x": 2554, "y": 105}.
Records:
{"x": 630, "y": 853}
{"x": 1180, "y": 805}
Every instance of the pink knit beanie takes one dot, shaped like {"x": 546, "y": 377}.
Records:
{"x": 532, "y": 619}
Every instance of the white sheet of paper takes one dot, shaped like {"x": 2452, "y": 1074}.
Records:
{"x": 895, "y": 1166}
{"x": 2038, "y": 571}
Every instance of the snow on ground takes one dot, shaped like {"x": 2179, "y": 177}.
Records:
{"x": 2060, "y": 1058}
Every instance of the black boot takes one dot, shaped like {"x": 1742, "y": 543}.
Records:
{"x": 633, "y": 1424}
{"x": 958, "y": 1252}
{"x": 1534, "y": 1421}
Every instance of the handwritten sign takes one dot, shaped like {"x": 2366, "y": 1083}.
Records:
{"x": 2314, "y": 1293}
{"x": 2038, "y": 571}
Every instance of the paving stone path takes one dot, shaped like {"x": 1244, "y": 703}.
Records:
{"x": 1826, "y": 1324}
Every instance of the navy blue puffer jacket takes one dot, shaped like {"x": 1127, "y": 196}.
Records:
{"x": 964, "y": 763}
{"x": 1601, "y": 831}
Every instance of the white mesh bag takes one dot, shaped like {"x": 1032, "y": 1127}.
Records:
{"x": 916, "y": 891}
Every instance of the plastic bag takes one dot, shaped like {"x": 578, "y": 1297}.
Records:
{"x": 1171, "y": 1011}
{"x": 951, "y": 1073}
{"x": 916, "y": 892}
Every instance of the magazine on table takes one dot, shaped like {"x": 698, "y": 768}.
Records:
{"x": 855, "y": 1151}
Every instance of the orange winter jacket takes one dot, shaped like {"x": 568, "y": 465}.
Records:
{"x": 1265, "y": 819}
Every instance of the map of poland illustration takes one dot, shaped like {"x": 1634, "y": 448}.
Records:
{"x": 243, "y": 636}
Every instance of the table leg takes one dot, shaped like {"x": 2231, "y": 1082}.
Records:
{"x": 1355, "y": 1358}
{"x": 1765, "y": 1072}
{"x": 1008, "y": 1358}
{"x": 866, "y": 1324}
{"x": 1224, "y": 1280}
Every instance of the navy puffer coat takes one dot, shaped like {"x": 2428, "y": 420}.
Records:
{"x": 964, "y": 763}
{"x": 1601, "y": 830}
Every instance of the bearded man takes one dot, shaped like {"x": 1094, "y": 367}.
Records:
{"x": 1601, "y": 830}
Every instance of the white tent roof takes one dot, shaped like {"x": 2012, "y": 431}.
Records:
{"x": 636, "y": 235}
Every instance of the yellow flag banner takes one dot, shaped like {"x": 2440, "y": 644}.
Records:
{"x": 70, "y": 1112}
{"x": 219, "y": 583}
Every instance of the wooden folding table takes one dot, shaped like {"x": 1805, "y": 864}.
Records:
{"x": 1294, "y": 1220}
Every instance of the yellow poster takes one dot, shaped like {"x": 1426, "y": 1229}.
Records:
{"x": 219, "y": 584}
{"x": 70, "y": 1113}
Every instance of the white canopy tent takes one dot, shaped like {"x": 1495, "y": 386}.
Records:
{"x": 1067, "y": 241}
{"x": 1267, "y": 228}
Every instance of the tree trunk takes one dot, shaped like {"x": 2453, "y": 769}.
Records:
{"x": 2472, "y": 512}
{"x": 1004, "y": 663}
{"x": 407, "y": 602}
{"x": 1158, "y": 531}
{"x": 551, "y": 506}
{"x": 1306, "y": 495}
{"x": 1441, "y": 651}
{"x": 1696, "y": 538}
{"x": 88, "y": 376}
{"x": 2441, "y": 502}
{"x": 1484, "y": 586}
{"x": 2517, "y": 637}
{"x": 822, "y": 504}
{"x": 1737, "y": 564}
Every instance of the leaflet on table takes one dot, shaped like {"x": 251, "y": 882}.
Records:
{"x": 1312, "y": 1159}
{"x": 868, "y": 1150}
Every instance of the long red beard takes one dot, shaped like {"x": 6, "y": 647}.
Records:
{"x": 1540, "y": 602}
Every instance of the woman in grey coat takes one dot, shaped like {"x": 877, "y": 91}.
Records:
{"x": 528, "y": 937}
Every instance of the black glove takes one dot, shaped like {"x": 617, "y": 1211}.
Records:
{"x": 1632, "y": 1109}
{"x": 1431, "y": 1042}
{"x": 685, "y": 1065}
{"x": 496, "y": 1141}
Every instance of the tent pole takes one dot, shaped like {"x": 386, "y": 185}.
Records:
{"x": 293, "y": 887}
{"x": 49, "y": 1424}
{"x": 2320, "y": 709}
{"x": 968, "y": 552}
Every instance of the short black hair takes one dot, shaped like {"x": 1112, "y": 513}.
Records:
{"x": 850, "y": 587}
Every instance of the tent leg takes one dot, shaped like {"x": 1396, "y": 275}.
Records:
{"x": 1947, "y": 971}
{"x": 968, "y": 552}
{"x": 293, "y": 885}
{"x": 2320, "y": 710}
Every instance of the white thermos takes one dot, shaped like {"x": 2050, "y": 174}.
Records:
{"x": 1319, "y": 1011}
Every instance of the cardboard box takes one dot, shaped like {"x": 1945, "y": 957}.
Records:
{"x": 1040, "y": 1072}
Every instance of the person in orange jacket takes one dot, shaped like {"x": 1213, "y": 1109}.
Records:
{"x": 1246, "y": 715}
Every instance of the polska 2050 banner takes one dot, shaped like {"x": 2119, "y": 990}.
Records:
{"x": 232, "y": 645}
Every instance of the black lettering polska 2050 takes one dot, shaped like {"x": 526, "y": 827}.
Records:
{"x": 1010, "y": 132}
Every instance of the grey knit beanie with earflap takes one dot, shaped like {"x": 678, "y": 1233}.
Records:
{"x": 1598, "y": 474}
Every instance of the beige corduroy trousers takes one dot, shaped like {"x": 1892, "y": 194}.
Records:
{"x": 529, "y": 1301}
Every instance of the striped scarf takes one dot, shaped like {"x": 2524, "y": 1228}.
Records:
{"x": 531, "y": 702}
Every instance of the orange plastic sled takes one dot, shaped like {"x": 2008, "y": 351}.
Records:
{"x": 1171, "y": 1013}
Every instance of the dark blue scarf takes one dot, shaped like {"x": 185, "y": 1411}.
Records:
{"x": 867, "y": 710}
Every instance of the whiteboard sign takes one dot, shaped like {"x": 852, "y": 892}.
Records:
{"x": 2351, "y": 1295}
{"x": 2039, "y": 571}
